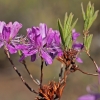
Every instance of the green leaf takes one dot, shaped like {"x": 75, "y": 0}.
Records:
{"x": 70, "y": 44}
{"x": 92, "y": 10}
{"x": 87, "y": 41}
{"x": 70, "y": 18}
{"x": 89, "y": 23}
{"x": 89, "y": 16}
{"x": 65, "y": 26}
{"x": 65, "y": 20}
{"x": 95, "y": 16}
{"x": 68, "y": 27}
{"x": 73, "y": 25}
{"x": 61, "y": 31}
{"x": 66, "y": 31}
{"x": 86, "y": 24}
{"x": 19, "y": 52}
{"x": 88, "y": 9}
{"x": 68, "y": 41}
{"x": 83, "y": 13}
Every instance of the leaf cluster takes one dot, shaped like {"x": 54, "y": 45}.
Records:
{"x": 89, "y": 16}
{"x": 66, "y": 30}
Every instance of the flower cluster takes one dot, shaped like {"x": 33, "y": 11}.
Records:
{"x": 39, "y": 41}
{"x": 8, "y": 33}
{"x": 42, "y": 41}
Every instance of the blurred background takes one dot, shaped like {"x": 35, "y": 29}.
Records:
{"x": 31, "y": 13}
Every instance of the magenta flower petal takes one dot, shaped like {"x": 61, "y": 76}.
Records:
{"x": 43, "y": 29}
{"x": 2, "y": 24}
{"x": 87, "y": 97}
{"x": 50, "y": 37}
{"x": 15, "y": 28}
{"x": 30, "y": 52}
{"x": 75, "y": 35}
{"x": 33, "y": 57}
{"x": 38, "y": 40}
{"x": 98, "y": 70}
{"x": 22, "y": 58}
{"x": 78, "y": 46}
{"x": 11, "y": 49}
{"x": 79, "y": 60}
{"x": 46, "y": 57}
{"x": 1, "y": 44}
{"x": 6, "y": 33}
{"x": 57, "y": 38}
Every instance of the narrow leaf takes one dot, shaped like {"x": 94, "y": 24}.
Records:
{"x": 70, "y": 44}
{"x": 67, "y": 28}
{"x": 61, "y": 31}
{"x": 92, "y": 19}
{"x": 92, "y": 10}
{"x": 73, "y": 25}
{"x": 83, "y": 13}
{"x": 89, "y": 23}
{"x": 88, "y": 9}
{"x": 19, "y": 52}
{"x": 89, "y": 39}
{"x": 70, "y": 18}
{"x": 65, "y": 20}
{"x": 68, "y": 40}
{"x": 86, "y": 24}
{"x": 95, "y": 16}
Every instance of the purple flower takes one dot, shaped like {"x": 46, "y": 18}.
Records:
{"x": 75, "y": 35}
{"x": 93, "y": 91}
{"x": 90, "y": 97}
{"x": 42, "y": 41}
{"x": 76, "y": 45}
{"x": 8, "y": 34}
{"x": 79, "y": 60}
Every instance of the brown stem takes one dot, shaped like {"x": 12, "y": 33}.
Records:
{"x": 63, "y": 81}
{"x": 8, "y": 56}
{"x": 41, "y": 77}
{"x": 61, "y": 72}
{"x": 95, "y": 64}
{"x": 86, "y": 72}
{"x": 24, "y": 63}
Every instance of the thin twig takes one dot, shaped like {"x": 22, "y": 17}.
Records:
{"x": 24, "y": 63}
{"x": 8, "y": 56}
{"x": 41, "y": 77}
{"x": 86, "y": 72}
{"x": 65, "y": 75}
{"x": 95, "y": 64}
{"x": 61, "y": 72}
{"x": 92, "y": 60}
{"x": 63, "y": 81}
